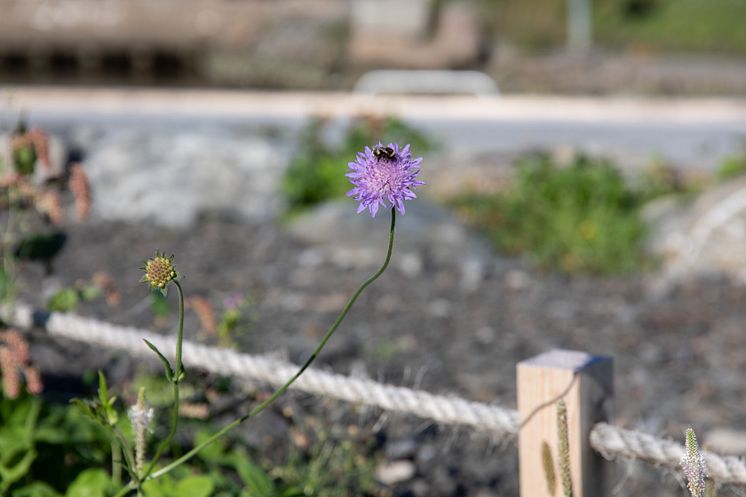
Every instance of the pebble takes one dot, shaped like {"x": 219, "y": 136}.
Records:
{"x": 516, "y": 279}
{"x": 439, "y": 308}
{"x": 410, "y": 264}
{"x": 485, "y": 335}
{"x": 395, "y": 472}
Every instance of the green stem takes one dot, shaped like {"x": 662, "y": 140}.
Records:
{"x": 8, "y": 261}
{"x": 125, "y": 490}
{"x": 180, "y": 337}
{"x": 256, "y": 410}
{"x": 116, "y": 462}
{"x": 129, "y": 456}
{"x": 178, "y": 376}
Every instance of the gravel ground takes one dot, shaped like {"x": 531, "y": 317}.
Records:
{"x": 679, "y": 358}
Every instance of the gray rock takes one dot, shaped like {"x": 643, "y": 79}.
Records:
{"x": 705, "y": 237}
{"x": 170, "y": 176}
{"x": 395, "y": 472}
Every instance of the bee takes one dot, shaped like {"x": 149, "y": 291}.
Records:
{"x": 384, "y": 153}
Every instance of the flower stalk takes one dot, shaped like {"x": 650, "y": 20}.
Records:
{"x": 382, "y": 176}
{"x": 330, "y": 332}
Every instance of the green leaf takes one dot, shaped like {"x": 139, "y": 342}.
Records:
{"x": 194, "y": 486}
{"x": 214, "y": 452}
{"x": 8, "y": 476}
{"x": 257, "y": 481}
{"x": 6, "y": 285}
{"x": 89, "y": 292}
{"x": 166, "y": 364}
{"x": 85, "y": 408}
{"x": 103, "y": 389}
{"x": 66, "y": 300}
{"x": 90, "y": 483}
{"x": 162, "y": 487}
{"x": 36, "y": 489}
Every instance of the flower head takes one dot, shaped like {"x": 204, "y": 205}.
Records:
{"x": 159, "y": 271}
{"x": 693, "y": 464}
{"x": 384, "y": 174}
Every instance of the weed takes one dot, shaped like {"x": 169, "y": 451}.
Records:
{"x": 580, "y": 218}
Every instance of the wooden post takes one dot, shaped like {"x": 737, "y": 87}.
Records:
{"x": 585, "y": 383}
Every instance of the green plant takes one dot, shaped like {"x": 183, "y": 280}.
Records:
{"x": 329, "y": 468}
{"x": 47, "y": 448}
{"x": 379, "y": 181}
{"x": 317, "y": 172}
{"x": 731, "y": 167}
{"x": 579, "y": 218}
{"x": 67, "y": 299}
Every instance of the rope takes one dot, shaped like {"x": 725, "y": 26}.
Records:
{"x": 614, "y": 442}
{"x": 438, "y": 408}
{"x": 610, "y": 441}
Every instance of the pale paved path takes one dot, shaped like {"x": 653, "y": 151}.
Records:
{"x": 692, "y": 132}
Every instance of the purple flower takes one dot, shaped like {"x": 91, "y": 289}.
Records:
{"x": 384, "y": 174}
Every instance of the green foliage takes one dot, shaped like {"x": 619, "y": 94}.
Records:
{"x": 732, "y": 167}
{"x": 236, "y": 319}
{"x": 330, "y": 468}
{"x": 24, "y": 160}
{"x": 677, "y": 25}
{"x": 52, "y": 450}
{"x": 68, "y": 299}
{"x": 712, "y": 25}
{"x": 101, "y": 410}
{"x": 579, "y": 218}
{"x": 317, "y": 173}
{"x": 90, "y": 483}
{"x": 7, "y": 285}
{"x": 46, "y": 449}
{"x": 189, "y": 486}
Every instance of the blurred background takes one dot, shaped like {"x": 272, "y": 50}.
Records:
{"x": 584, "y": 162}
{"x": 578, "y": 46}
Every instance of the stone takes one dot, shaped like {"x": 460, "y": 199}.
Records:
{"x": 439, "y": 308}
{"x": 395, "y": 472}
{"x": 706, "y": 237}
{"x": 171, "y": 176}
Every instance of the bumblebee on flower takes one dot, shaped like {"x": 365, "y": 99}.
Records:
{"x": 384, "y": 174}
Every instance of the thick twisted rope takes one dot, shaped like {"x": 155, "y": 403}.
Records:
{"x": 614, "y": 442}
{"x": 611, "y": 441}
{"x": 438, "y": 408}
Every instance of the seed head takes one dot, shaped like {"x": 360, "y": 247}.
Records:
{"x": 159, "y": 271}
{"x": 693, "y": 464}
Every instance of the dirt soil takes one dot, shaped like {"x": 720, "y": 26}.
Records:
{"x": 679, "y": 359}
